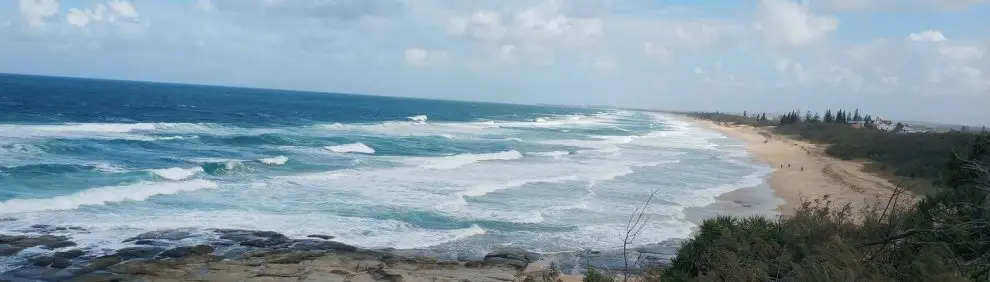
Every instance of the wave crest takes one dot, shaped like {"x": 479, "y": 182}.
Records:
{"x": 419, "y": 118}
{"x": 101, "y": 196}
{"x": 176, "y": 173}
{"x": 279, "y": 160}
{"x": 455, "y": 161}
{"x": 352, "y": 148}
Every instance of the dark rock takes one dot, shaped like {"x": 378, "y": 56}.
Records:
{"x": 8, "y": 250}
{"x": 99, "y": 263}
{"x": 37, "y": 241}
{"x": 261, "y": 243}
{"x": 35, "y": 273}
{"x": 169, "y": 235}
{"x": 258, "y": 239}
{"x": 514, "y": 254}
{"x": 7, "y": 239}
{"x": 41, "y": 261}
{"x": 58, "y": 245}
{"x": 71, "y": 254}
{"x": 99, "y": 277}
{"x": 188, "y": 251}
{"x": 41, "y": 226}
{"x": 139, "y": 267}
{"x": 324, "y": 237}
{"x": 474, "y": 264}
{"x": 297, "y": 257}
{"x": 269, "y": 234}
{"x": 60, "y": 263}
{"x": 77, "y": 228}
{"x": 389, "y": 275}
{"x": 138, "y": 252}
{"x": 506, "y": 261}
{"x": 321, "y": 245}
{"x": 145, "y": 242}
{"x": 61, "y": 228}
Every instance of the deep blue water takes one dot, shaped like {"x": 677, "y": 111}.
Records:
{"x": 122, "y": 158}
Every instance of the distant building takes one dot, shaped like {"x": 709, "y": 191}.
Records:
{"x": 856, "y": 124}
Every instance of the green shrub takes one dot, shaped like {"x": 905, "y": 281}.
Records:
{"x": 944, "y": 237}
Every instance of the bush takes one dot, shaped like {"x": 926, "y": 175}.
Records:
{"x": 944, "y": 237}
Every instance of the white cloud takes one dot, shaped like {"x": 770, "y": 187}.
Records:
{"x": 960, "y": 52}
{"x": 892, "y": 5}
{"x": 118, "y": 17}
{"x": 423, "y": 58}
{"x": 36, "y": 13}
{"x": 785, "y": 22}
{"x": 605, "y": 64}
{"x": 123, "y": 8}
{"x": 204, "y": 6}
{"x": 927, "y": 36}
{"x": 544, "y": 23}
{"x": 270, "y": 3}
{"x": 482, "y": 25}
{"x": 657, "y": 51}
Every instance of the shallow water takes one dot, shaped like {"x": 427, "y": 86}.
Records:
{"x": 123, "y": 158}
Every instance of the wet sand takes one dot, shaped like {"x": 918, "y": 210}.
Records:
{"x": 802, "y": 172}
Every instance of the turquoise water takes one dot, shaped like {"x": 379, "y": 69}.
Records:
{"x": 123, "y": 158}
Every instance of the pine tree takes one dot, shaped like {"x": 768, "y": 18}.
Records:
{"x": 817, "y": 118}
{"x": 829, "y": 118}
{"x": 840, "y": 117}
{"x": 744, "y": 113}
{"x": 856, "y": 116}
{"x": 807, "y": 117}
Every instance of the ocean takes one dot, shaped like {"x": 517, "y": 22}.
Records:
{"x": 119, "y": 159}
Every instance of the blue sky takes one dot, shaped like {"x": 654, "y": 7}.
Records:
{"x": 910, "y": 59}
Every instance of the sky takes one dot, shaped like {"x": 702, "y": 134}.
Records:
{"x": 905, "y": 59}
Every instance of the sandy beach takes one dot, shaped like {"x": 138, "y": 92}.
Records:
{"x": 802, "y": 172}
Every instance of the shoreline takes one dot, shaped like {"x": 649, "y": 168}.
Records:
{"x": 802, "y": 172}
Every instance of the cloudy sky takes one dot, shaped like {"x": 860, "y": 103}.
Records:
{"x": 911, "y": 59}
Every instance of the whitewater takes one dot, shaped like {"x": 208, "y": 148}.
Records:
{"x": 374, "y": 172}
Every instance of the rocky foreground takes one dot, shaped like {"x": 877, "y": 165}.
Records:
{"x": 239, "y": 255}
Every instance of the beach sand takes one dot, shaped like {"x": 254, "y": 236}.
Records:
{"x": 802, "y": 172}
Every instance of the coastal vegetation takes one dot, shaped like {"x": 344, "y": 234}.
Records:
{"x": 944, "y": 236}
{"x": 916, "y": 155}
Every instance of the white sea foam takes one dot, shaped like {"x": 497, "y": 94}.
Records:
{"x": 109, "y": 167}
{"x": 413, "y": 128}
{"x": 123, "y": 131}
{"x": 419, "y": 118}
{"x": 100, "y": 196}
{"x": 279, "y": 160}
{"x": 352, "y": 148}
{"x": 176, "y": 173}
{"x": 551, "y": 154}
{"x": 456, "y": 161}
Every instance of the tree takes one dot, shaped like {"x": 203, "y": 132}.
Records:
{"x": 744, "y": 113}
{"x": 829, "y": 118}
{"x": 856, "y": 116}
{"x": 899, "y": 127}
{"x": 808, "y": 117}
{"x": 840, "y": 117}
